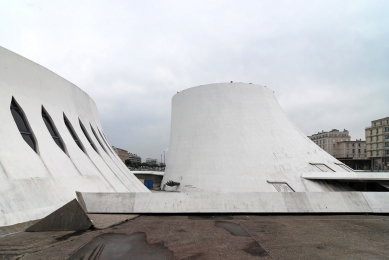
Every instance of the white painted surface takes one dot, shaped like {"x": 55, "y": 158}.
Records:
{"x": 234, "y": 137}
{"x": 236, "y": 202}
{"x": 362, "y": 176}
{"x": 148, "y": 172}
{"x": 32, "y": 185}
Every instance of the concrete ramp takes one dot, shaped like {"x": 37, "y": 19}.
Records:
{"x": 70, "y": 217}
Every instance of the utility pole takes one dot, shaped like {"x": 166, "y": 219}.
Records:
{"x": 164, "y": 162}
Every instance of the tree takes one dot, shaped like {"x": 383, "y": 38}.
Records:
{"x": 128, "y": 163}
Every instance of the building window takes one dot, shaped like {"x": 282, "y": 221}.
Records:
{"x": 345, "y": 167}
{"x": 97, "y": 138}
{"x": 371, "y": 132}
{"x": 386, "y": 144}
{"x": 378, "y": 153}
{"x": 52, "y": 130}
{"x": 22, "y": 124}
{"x": 87, "y": 136}
{"x": 73, "y": 133}
{"x": 281, "y": 186}
{"x": 386, "y": 137}
{"x": 373, "y": 124}
{"x": 322, "y": 167}
{"x": 387, "y": 152}
{"x": 376, "y": 131}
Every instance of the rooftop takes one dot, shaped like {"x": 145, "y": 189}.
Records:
{"x": 212, "y": 237}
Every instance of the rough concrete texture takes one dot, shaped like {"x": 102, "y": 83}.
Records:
{"x": 70, "y": 217}
{"x": 213, "y": 237}
{"x": 101, "y": 221}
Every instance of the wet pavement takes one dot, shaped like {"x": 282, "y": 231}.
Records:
{"x": 213, "y": 237}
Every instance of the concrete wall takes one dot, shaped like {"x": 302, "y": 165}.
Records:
{"x": 236, "y": 202}
{"x": 33, "y": 184}
{"x": 234, "y": 137}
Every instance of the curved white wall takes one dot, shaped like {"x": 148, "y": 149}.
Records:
{"x": 33, "y": 184}
{"x": 234, "y": 137}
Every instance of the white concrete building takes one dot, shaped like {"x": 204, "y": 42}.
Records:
{"x": 234, "y": 137}
{"x": 51, "y": 143}
{"x": 232, "y": 149}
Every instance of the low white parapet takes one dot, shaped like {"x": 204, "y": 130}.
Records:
{"x": 358, "y": 176}
{"x": 250, "y": 202}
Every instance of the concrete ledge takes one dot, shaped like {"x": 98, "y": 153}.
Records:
{"x": 347, "y": 176}
{"x": 250, "y": 202}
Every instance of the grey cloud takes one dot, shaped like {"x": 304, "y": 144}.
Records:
{"x": 326, "y": 61}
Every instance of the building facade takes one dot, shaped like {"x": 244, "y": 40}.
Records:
{"x": 377, "y": 143}
{"x": 213, "y": 126}
{"x": 52, "y": 143}
{"x": 328, "y": 141}
{"x": 122, "y": 154}
{"x": 351, "y": 149}
{"x": 134, "y": 158}
{"x": 151, "y": 161}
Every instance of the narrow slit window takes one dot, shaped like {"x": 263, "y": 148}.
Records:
{"x": 88, "y": 137}
{"x": 97, "y": 138}
{"x": 52, "y": 130}
{"x": 72, "y": 133}
{"x": 22, "y": 124}
{"x": 104, "y": 140}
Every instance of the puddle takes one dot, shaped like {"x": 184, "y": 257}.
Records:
{"x": 62, "y": 238}
{"x": 210, "y": 217}
{"x": 256, "y": 250}
{"x": 234, "y": 229}
{"x": 121, "y": 246}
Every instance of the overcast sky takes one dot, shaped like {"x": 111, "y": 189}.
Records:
{"x": 327, "y": 61}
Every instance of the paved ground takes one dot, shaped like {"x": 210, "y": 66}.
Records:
{"x": 213, "y": 237}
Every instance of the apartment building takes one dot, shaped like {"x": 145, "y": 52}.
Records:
{"x": 123, "y": 154}
{"x": 377, "y": 142}
{"x": 151, "y": 161}
{"x": 351, "y": 149}
{"x": 328, "y": 141}
{"x": 134, "y": 158}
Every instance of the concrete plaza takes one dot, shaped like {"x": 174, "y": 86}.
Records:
{"x": 212, "y": 237}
